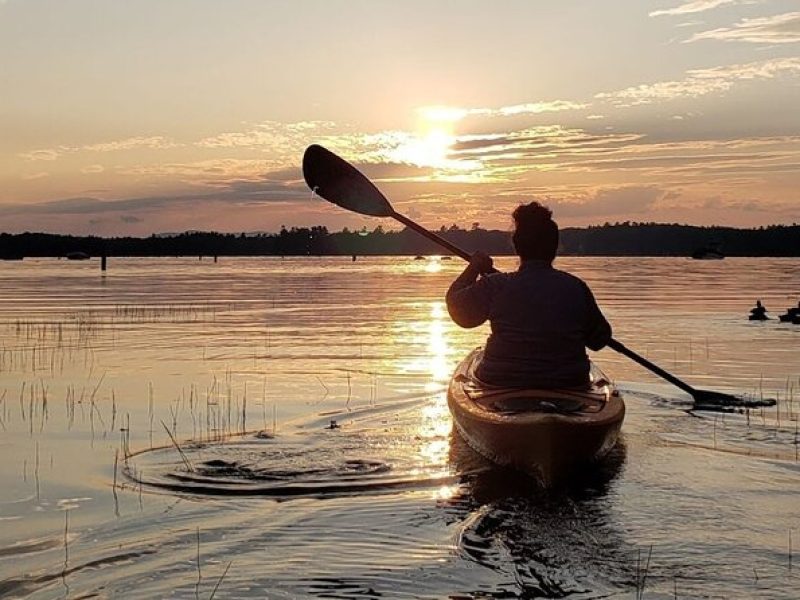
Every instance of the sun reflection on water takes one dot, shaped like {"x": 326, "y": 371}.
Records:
{"x": 433, "y": 265}
{"x": 435, "y": 423}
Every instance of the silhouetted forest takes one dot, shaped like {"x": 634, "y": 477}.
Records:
{"x": 618, "y": 239}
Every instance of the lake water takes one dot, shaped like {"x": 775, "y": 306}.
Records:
{"x": 308, "y": 398}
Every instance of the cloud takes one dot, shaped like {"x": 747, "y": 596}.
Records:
{"x": 693, "y": 7}
{"x": 92, "y": 169}
{"x": 520, "y": 155}
{"x": 274, "y": 135}
{"x": 591, "y": 204}
{"x": 752, "y": 205}
{"x": 153, "y": 142}
{"x": 263, "y": 190}
{"x": 700, "y": 82}
{"x": 778, "y": 29}
{"x": 150, "y": 142}
{"x": 625, "y": 200}
{"x": 130, "y": 219}
{"x": 450, "y": 114}
{"x": 541, "y": 139}
{"x": 50, "y": 154}
{"x": 655, "y": 164}
{"x": 205, "y": 172}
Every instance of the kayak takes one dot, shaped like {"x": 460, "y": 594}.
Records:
{"x": 547, "y": 433}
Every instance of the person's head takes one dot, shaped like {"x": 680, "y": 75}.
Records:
{"x": 535, "y": 233}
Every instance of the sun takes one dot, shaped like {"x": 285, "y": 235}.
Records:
{"x": 430, "y": 149}
{"x": 431, "y": 145}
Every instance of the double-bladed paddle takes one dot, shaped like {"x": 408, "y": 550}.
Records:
{"x": 337, "y": 181}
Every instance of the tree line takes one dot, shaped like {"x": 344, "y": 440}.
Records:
{"x": 617, "y": 239}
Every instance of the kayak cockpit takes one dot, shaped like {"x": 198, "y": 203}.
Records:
{"x": 585, "y": 399}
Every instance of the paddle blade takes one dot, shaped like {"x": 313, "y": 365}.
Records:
{"x": 706, "y": 399}
{"x": 337, "y": 181}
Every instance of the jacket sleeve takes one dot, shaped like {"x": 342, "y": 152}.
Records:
{"x": 468, "y": 301}
{"x": 598, "y": 329}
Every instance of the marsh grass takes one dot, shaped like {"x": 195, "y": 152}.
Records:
{"x": 219, "y": 581}
{"x": 642, "y": 572}
{"x": 175, "y": 443}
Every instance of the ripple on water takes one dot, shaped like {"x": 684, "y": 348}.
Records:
{"x": 306, "y": 463}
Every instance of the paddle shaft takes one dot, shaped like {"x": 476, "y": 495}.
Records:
{"x": 622, "y": 349}
{"x": 430, "y": 235}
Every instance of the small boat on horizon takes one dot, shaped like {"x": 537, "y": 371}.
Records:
{"x": 708, "y": 253}
{"x": 77, "y": 256}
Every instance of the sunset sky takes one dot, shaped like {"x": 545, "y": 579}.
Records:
{"x": 121, "y": 117}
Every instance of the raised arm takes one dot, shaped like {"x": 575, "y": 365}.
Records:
{"x": 468, "y": 297}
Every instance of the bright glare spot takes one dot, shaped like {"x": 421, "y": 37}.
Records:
{"x": 446, "y": 492}
{"x": 434, "y": 452}
{"x": 438, "y": 349}
{"x": 428, "y": 150}
{"x": 432, "y": 144}
{"x": 433, "y": 265}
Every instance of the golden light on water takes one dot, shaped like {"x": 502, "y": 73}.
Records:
{"x": 439, "y": 366}
{"x": 431, "y": 331}
{"x": 435, "y": 421}
{"x": 446, "y": 492}
{"x": 433, "y": 265}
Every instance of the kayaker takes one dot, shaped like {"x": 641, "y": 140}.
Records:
{"x": 542, "y": 319}
{"x": 758, "y": 312}
{"x": 791, "y": 313}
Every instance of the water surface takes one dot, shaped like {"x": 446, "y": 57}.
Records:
{"x": 317, "y": 453}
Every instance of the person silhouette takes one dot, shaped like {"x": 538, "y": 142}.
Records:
{"x": 758, "y": 312}
{"x": 792, "y": 315}
{"x": 542, "y": 319}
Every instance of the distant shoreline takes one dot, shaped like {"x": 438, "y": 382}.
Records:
{"x": 619, "y": 239}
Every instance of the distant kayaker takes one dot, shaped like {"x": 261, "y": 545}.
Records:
{"x": 758, "y": 312}
{"x": 792, "y": 314}
{"x": 542, "y": 319}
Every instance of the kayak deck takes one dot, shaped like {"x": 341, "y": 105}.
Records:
{"x": 544, "y": 432}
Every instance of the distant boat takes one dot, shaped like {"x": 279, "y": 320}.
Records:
{"x": 78, "y": 256}
{"x": 419, "y": 257}
{"x": 792, "y": 316}
{"x": 707, "y": 253}
{"x": 11, "y": 256}
{"x": 447, "y": 258}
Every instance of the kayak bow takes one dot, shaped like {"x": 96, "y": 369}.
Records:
{"x": 545, "y": 433}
